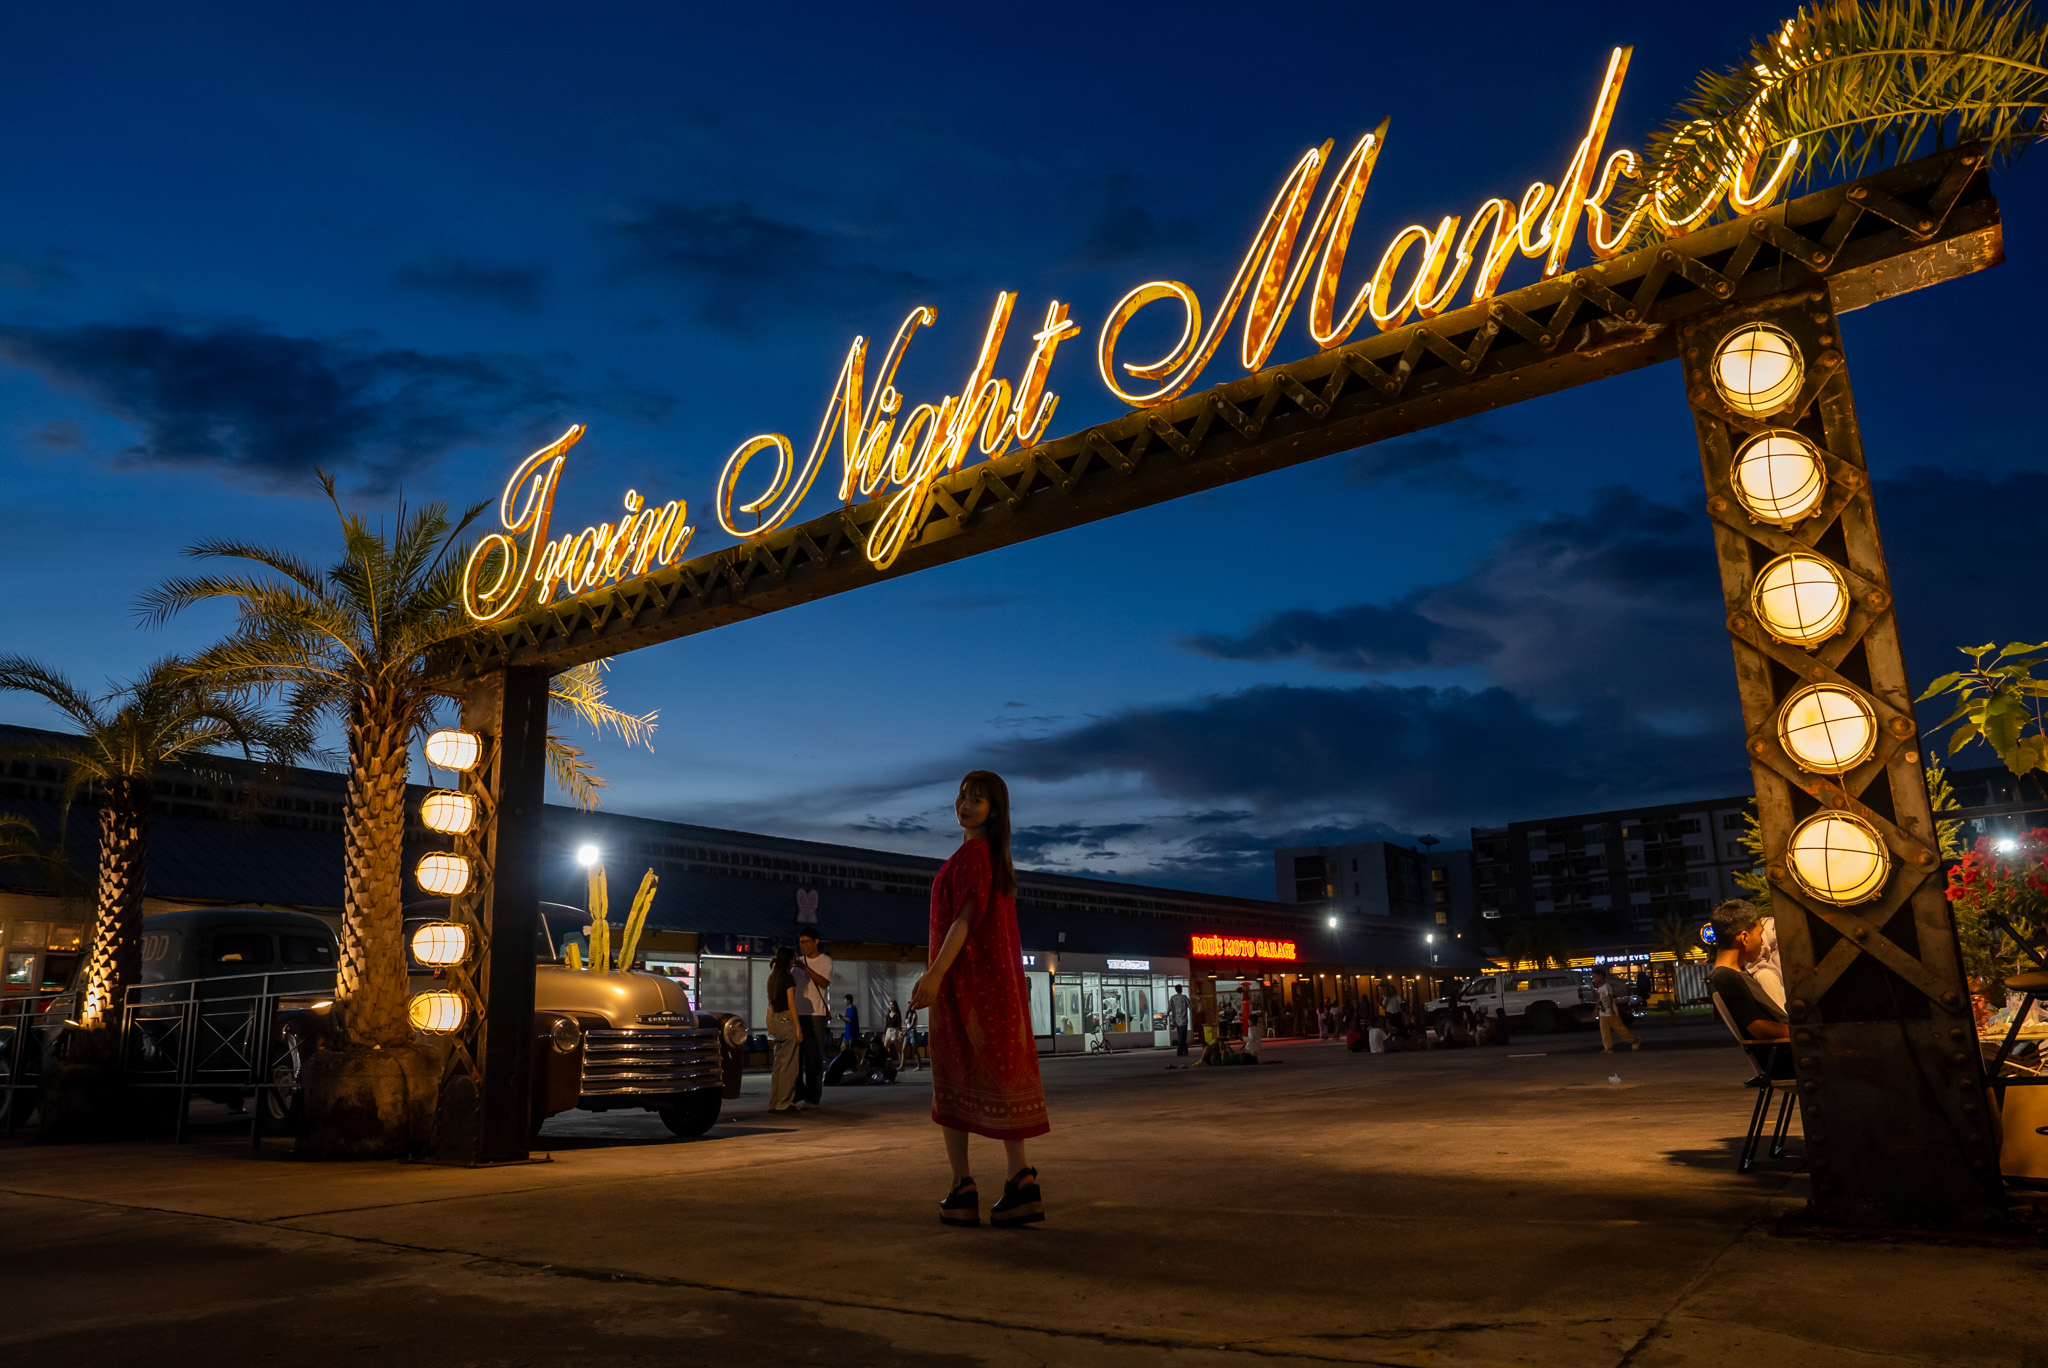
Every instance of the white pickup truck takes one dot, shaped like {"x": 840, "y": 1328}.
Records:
{"x": 1534, "y": 999}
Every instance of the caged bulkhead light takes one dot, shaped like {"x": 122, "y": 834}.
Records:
{"x": 1778, "y": 477}
{"x": 1758, "y": 370}
{"x": 1801, "y": 599}
{"x": 440, "y": 944}
{"x": 1838, "y": 857}
{"x": 454, "y": 749}
{"x": 438, "y": 1012}
{"x": 442, "y": 874}
{"x": 1827, "y": 729}
{"x": 445, "y": 810}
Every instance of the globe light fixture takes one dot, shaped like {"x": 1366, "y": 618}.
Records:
{"x": 1801, "y": 599}
{"x": 452, "y": 749}
{"x": 1758, "y": 370}
{"x": 1838, "y": 858}
{"x": 1827, "y": 728}
{"x": 1778, "y": 477}
{"x": 438, "y": 1012}
{"x": 448, "y": 811}
{"x": 440, "y": 944}
{"x": 442, "y": 874}
{"x": 587, "y": 855}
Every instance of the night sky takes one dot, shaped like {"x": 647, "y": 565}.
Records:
{"x": 408, "y": 244}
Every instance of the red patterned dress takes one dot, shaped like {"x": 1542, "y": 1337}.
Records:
{"x": 984, "y": 1061}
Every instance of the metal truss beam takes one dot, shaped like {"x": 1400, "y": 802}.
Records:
{"x": 1912, "y": 226}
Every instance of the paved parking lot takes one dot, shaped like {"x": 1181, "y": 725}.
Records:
{"x": 1542, "y": 1204}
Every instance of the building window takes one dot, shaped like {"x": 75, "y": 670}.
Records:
{"x": 1689, "y": 827}
{"x": 1732, "y": 822}
{"x": 1695, "y": 852}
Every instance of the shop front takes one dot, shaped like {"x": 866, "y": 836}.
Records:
{"x": 1092, "y": 1004}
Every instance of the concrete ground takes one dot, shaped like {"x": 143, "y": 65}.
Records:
{"x": 1538, "y": 1205}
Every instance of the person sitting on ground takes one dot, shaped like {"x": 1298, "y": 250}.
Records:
{"x": 1359, "y": 1037}
{"x": 1739, "y": 941}
{"x": 1254, "y": 1035}
{"x": 848, "y": 1058}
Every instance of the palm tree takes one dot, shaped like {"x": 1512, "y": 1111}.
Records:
{"x": 1861, "y": 82}
{"x": 1538, "y": 938}
{"x": 578, "y": 695}
{"x": 352, "y": 643}
{"x": 165, "y": 717}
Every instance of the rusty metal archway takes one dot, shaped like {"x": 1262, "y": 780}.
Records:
{"x": 1889, "y": 1078}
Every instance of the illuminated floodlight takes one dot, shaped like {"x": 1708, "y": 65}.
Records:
{"x": 1333, "y": 923}
{"x": 1838, "y": 858}
{"x": 1827, "y": 728}
{"x": 1801, "y": 599}
{"x": 1758, "y": 370}
{"x": 438, "y": 1012}
{"x": 453, "y": 749}
{"x": 440, "y": 944}
{"x": 1778, "y": 477}
{"x": 587, "y": 855}
{"x": 443, "y": 874}
{"x": 448, "y": 811}
{"x": 2005, "y": 845}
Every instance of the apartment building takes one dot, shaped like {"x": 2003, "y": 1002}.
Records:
{"x": 1378, "y": 879}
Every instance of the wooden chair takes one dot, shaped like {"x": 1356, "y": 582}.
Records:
{"x": 1773, "y": 1061}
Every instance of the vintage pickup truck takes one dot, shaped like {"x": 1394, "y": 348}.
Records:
{"x": 602, "y": 1041}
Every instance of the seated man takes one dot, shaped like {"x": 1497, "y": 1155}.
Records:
{"x": 1739, "y": 941}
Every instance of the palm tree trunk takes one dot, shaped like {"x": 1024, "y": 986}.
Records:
{"x": 115, "y": 958}
{"x": 371, "y": 986}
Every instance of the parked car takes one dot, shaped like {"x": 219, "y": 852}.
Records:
{"x": 606, "y": 1041}
{"x": 1535, "y": 1000}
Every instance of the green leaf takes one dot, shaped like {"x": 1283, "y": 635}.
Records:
{"x": 1960, "y": 739}
{"x": 1941, "y": 685}
{"x": 1976, "y": 652}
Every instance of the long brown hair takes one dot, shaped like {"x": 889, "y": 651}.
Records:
{"x": 987, "y": 784}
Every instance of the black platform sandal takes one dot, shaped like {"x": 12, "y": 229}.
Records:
{"x": 1021, "y": 1202}
{"x": 962, "y": 1206}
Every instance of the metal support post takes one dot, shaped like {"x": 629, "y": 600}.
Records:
{"x": 1889, "y": 1077}
{"x": 486, "y": 1104}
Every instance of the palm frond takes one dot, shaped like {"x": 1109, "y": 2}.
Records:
{"x": 19, "y": 673}
{"x": 575, "y": 775}
{"x": 1859, "y": 83}
{"x": 579, "y": 693}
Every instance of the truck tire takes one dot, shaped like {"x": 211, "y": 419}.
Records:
{"x": 1542, "y": 1016}
{"x": 692, "y": 1113}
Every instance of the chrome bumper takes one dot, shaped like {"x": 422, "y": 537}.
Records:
{"x": 652, "y": 1060}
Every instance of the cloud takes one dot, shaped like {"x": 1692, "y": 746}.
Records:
{"x": 742, "y": 267}
{"x": 1120, "y": 227}
{"x": 1364, "y": 637}
{"x": 1621, "y": 602}
{"x": 269, "y": 407}
{"x": 60, "y": 435}
{"x": 1038, "y": 846}
{"x": 1451, "y": 459}
{"x": 516, "y": 289}
{"x": 1418, "y": 755}
{"x": 36, "y": 272}
{"x": 891, "y": 826}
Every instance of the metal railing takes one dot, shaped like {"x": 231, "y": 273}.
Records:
{"x": 23, "y": 1023}
{"x": 218, "y": 1035}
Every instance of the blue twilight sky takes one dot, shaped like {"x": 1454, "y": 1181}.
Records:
{"x": 409, "y": 243}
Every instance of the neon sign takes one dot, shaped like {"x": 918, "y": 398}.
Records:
{"x": 1240, "y": 947}
{"x": 893, "y": 454}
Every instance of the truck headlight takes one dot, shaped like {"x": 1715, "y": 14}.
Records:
{"x": 565, "y": 1036}
{"x": 736, "y": 1032}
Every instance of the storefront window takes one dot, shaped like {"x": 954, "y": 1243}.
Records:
{"x": 21, "y": 970}
{"x": 28, "y": 935}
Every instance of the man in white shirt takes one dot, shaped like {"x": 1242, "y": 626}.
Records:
{"x": 813, "y": 983}
{"x": 1613, "y": 1026}
{"x": 1767, "y": 969}
{"x": 1177, "y": 1008}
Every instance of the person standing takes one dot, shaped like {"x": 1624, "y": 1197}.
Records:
{"x": 1394, "y": 1008}
{"x": 984, "y": 1060}
{"x": 1177, "y": 1011}
{"x": 851, "y": 1016}
{"x": 782, "y": 1030}
{"x": 1613, "y": 1026}
{"x": 1254, "y": 1036}
{"x": 813, "y": 982}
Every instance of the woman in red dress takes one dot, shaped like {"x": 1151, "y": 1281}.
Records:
{"x": 984, "y": 1060}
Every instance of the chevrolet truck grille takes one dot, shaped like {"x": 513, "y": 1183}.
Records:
{"x": 650, "y": 1059}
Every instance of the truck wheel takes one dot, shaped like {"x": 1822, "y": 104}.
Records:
{"x": 1542, "y": 1017}
{"x": 283, "y": 1101}
{"x": 692, "y": 1113}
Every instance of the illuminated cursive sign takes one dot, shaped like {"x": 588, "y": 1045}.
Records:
{"x": 1127, "y": 964}
{"x": 506, "y": 567}
{"x": 894, "y": 454}
{"x": 1240, "y": 947}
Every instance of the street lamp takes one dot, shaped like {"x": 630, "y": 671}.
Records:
{"x": 2005, "y": 845}
{"x": 587, "y": 855}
